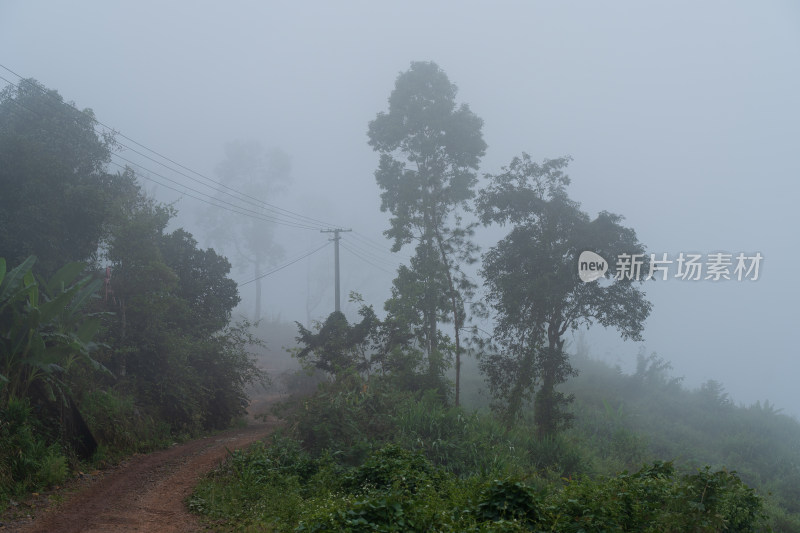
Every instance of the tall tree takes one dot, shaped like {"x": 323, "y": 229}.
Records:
{"x": 170, "y": 337}
{"x": 430, "y": 149}
{"x": 53, "y": 185}
{"x": 259, "y": 174}
{"x": 534, "y": 288}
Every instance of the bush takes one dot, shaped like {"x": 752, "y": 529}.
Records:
{"x": 393, "y": 467}
{"x": 349, "y": 417}
{"x": 27, "y": 462}
{"x": 119, "y": 425}
{"x": 264, "y": 484}
{"x": 283, "y": 488}
{"x": 509, "y": 500}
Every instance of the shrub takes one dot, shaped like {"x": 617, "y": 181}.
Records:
{"x": 118, "y": 424}
{"x": 509, "y": 500}
{"x": 27, "y": 462}
{"x": 350, "y": 417}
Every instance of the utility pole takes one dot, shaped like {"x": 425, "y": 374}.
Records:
{"x": 336, "y": 232}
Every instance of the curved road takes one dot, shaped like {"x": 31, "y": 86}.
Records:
{"x": 147, "y": 492}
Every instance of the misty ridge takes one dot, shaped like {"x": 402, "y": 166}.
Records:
{"x": 161, "y": 338}
{"x": 539, "y": 295}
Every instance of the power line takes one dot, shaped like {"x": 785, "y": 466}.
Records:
{"x": 257, "y": 203}
{"x": 237, "y": 209}
{"x": 257, "y": 215}
{"x": 285, "y": 265}
{"x": 288, "y": 213}
{"x": 359, "y": 256}
{"x": 209, "y": 202}
{"x": 389, "y": 262}
{"x": 359, "y": 252}
{"x": 377, "y": 246}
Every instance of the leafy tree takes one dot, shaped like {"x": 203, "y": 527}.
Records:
{"x": 258, "y": 174}
{"x": 55, "y": 192}
{"x": 418, "y": 302}
{"x": 171, "y": 338}
{"x": 339, "y": 347}
{"x": 206, "y": 292}
{"x": 42, "y": 329}
{"x": 44, "y": 336}
{"x": 429, "y": 153}
{"x": 533, "y": 286}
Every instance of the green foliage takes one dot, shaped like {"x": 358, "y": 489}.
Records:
{"x": 42, "y": 329}
{"x": 397, "y": 490}
{"x": 419, "y": 294}
{"x": 338, "y": 347}
{"x": 347, "y": 417}
{"x": 622, "y": 420}
{"x": 657, "y": 499}
{"x": 381, "y": 459}
{"x": 264, "y": 485}
{"x": 509, "y": 500}
{"x": 429, "y": 149}
{"x": 170, "y": 332}
{"x": 54, "y": 191}
{"x": 176, "y": 363}
{"x": 376, "y": 513}
{"x": 393, "y": 468}
{"x": 441, "y": 142}
{"x": 534, "y": 290}
{"x": 206, "y": 295}
{"x": 44, "y": 337}
{"x": 458, "y": 441}
{"x": 119, "y": 425}
{"x": 27, "y": 461}
{"x": 369, "y": 346}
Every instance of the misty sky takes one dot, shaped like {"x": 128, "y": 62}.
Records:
{"x": 683, "y": 116}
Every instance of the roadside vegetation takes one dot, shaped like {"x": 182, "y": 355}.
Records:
{"x": 116, "y": 336}
{"x": 367, "y": 454}
{"x": 561, "y": 442}
{"x": 115, "y": 333}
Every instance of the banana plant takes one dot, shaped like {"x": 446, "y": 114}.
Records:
{"x": 43, "y": 330}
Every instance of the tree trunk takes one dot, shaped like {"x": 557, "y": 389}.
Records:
{"x": 456, "y": 321}
{"x": 525, "y": 376}
{"x": 543, "y": 408}
{"x": 432, "y": 345}
{"x": 546, "y": 404}
{"x": 458, "y": 368}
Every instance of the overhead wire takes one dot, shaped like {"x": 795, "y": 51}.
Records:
{"x": 386, "y": 261}
{"x": 236, "y": 209}
{"x": 251, "y": 214}
{"x": 300, "y": 219}
{"x": 257, "y": 203}
{"x": 360, "y": 252}
{"x": 359, "y": 256}
{"x": 383, "y": 248}
{"x": 290, "y": 263}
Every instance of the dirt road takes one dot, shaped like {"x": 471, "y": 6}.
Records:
{"x": 145, "y": 493}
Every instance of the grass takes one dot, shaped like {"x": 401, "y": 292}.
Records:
{"x": 622, "y": 423}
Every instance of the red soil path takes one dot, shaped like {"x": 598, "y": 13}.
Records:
{"x": 145, "y": 493}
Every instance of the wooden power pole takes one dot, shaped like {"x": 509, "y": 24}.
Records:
{"x": 336, "y": 232}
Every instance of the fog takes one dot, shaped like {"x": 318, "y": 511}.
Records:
{"x": 683, "y": 117}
